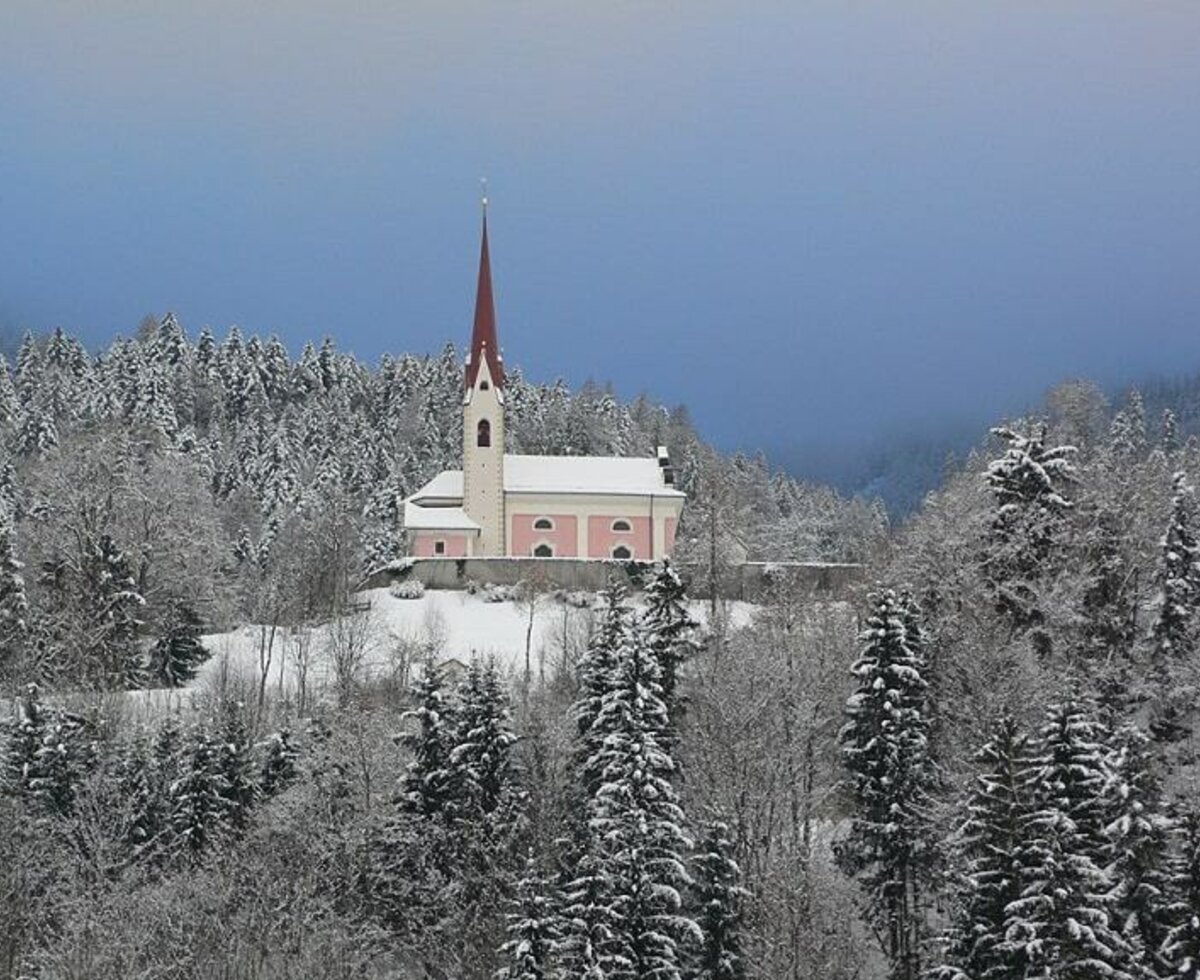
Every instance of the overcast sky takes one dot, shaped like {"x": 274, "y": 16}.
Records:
{"x": 808, "y": 222}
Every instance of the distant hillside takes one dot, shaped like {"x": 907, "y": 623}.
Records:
{"x": 900, "y": 470}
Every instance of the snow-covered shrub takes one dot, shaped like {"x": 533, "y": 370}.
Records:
{"x": 497, "y": 593}
{"x": 574, "y": 598}
{"x": 410, "y": 589}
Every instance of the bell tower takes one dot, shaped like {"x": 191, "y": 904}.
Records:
{"x": 483, "y": 417}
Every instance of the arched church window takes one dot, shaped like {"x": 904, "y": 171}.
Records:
{"x": 483, "y": 434}
{"x": 621, "y": 525}
{"x": 543, "y": 551}
{"x": 621, "y": 553}
{"x": 543, "y": 524}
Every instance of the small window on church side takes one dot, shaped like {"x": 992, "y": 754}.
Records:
{"x": 543, "y": 524}
{"x": 543, "y": 551}
{"x": 621, "y": 553}
{"x": 483, "y": 434}
{"x": 621, "y": 525}
{"x": 439, "y": 547}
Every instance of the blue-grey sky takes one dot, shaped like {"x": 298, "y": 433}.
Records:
{"x": 810, "y": 222}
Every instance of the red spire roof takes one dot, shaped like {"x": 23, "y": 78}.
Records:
{"x": 483, "y": 336}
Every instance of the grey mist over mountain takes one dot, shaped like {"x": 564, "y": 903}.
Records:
{"x": 815, "y": 225}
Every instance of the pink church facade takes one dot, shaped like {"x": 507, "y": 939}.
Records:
{"x": 501, "y": 504}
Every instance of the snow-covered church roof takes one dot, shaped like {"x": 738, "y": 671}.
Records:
{"x": 629, "y": 476}
{"x": 418, "y": 518}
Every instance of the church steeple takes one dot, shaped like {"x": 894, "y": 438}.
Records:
{"x": 484, "y": 344}
{"x": 483, "y": 418}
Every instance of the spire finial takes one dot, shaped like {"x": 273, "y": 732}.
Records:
{"x": 483, "y": 193}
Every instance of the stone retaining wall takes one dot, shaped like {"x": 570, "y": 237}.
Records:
{"x": 750, "y": 581}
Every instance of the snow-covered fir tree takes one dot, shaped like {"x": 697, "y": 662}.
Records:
{"x": 233, "y": 764}
{"x": 1178, "y": 579}
{"x": 113, "y": 606}
{"x": 1140, "y": 833}
{"x": 717, "y": 898}
{"x": 199, "y": 796}
{"x": 532, "y": 928}
{"x": 1029, "y": 483}
{"x": 885, "y": 749}
{"x": 427, "y": 788}
{"x": 1180, "y": 949}
{"x": 480, "y": 761}
{"x": 1127, "y": 434}
{"x": 1173, "y": 637}
{"x": 636, "y": 825}
{"x": 14, "y": 604}
{"x": 178, "y": 653}
{"x": 988, "y": 872}
{"x": 150, "y": 778}
{"x": 670, "y": 630}
{"x": 596, "y": 677}
{"x": 1062, "y": 925}
{"x": 47, "y": 753}
{"x": 1169, "y": 440}
{"x": 279, "y": 767}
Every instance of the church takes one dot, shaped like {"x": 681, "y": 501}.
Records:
{"x": 500, "y": 504}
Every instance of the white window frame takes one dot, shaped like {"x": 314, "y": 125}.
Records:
{"x": 538, "y": 520}
{"x": 627, "y": 529}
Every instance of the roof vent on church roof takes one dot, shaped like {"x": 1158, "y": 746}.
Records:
{"x": 484, "y": 344}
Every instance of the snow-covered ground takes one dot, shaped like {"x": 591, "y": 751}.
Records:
{"x": 394, "y": 633}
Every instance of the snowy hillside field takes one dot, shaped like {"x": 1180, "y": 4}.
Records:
{"x": 388, "y": 637}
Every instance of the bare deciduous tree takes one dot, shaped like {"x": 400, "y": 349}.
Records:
{"x": 348, "y": 640}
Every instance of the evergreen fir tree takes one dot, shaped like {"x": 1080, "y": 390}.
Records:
{"x": 1179, "y": 576}
{"x": 37, "y": 432}
{"x": 885, "y": 749}
{"x": 1170, "y": 433}
{"x": 199, "y": 796}
{"x": 14, "y": 605}
{"x": 243, "y": 549}
{"x": 596, "y": 676}
{"x": 152, "y": 771}
{"x": 1029, "y": 484}
{"x": 9, "y": 409}
{"x": 233, "y": 764}
{"x": 23, "y": 738}
{"x": 1061, "y": 925}
{"x": 532, "y": 929}
{"x": 427, "y": 788}
{"x": 177, "y": 654}
{"x": 113, "y": 656}
{"x": 718, "y": 904}
{"x": 589, "y": 923}
{"x": 1109, "y": 607}
{"x": 1180, "y": 950}
{"x": 481, "y": 761}
{"x": 47, "y": 754}
{"x": 1140, "y": 834}
{"x": 990, "y": 872}
{"x": 636, "y": 824}
{"x": 670, "y": 630}
{"x": 279, "y": 764}
{"x": 1173, "y": 635}
{"x": 1127, "y": 434}
{"x": 29, "y": 371}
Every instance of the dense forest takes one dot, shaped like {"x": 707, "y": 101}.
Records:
{"x": 981, "y": 764}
